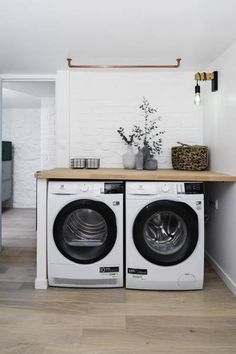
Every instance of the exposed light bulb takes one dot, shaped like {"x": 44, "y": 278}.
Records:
{"x": 197, "y": 98}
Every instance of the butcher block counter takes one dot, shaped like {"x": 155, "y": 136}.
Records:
{"x": 132, "y": 175}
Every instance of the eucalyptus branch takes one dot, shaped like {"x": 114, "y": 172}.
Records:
{"x": 151, "y": 129}
{"x": 149, "y": 134}
{"x": 127, "y": 139}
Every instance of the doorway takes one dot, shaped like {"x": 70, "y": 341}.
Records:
{"x": 28, "y": 145}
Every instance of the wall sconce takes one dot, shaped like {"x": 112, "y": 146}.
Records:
{"x": 203, "y": 77}
{"x": 197, "y": 98}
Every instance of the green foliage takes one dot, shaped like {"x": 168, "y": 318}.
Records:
{"x": 149, "y": 135}
{"x": 129, "y": 139}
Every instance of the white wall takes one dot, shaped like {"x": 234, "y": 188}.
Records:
{"x": 220, "y": 135}
{"x": 22, "y": 127}
{"x": 99, "y": 102}
{"x": 48, "y": 135}
{"x": 32, "y": 132}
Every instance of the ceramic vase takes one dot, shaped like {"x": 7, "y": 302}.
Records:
{"x": 146, "y": 153}
{"x": 139, "y": 160}
{"x": 150, "y": 164}
{"x": 129, "y": 158}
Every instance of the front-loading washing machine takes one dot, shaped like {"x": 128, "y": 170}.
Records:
{"x": 85, "y": 233}
{"x": 164, "y": 235}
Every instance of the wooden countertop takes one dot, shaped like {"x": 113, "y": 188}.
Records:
{"x": 127, "y": 175}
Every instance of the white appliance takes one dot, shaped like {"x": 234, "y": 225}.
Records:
{"x": 85, "y": 233}
{"x": 164, "y": 235}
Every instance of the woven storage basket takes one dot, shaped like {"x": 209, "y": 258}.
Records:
{"x": 189, "y": 157}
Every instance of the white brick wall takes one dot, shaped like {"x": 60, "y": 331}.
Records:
{"x": 32, "y": 132}
{"x": 48, "y": 136}
{"x": 22, "y": 127}
{"x": 101, "y": 101}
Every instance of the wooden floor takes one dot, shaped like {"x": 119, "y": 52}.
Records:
{"x": 109, "y": 321}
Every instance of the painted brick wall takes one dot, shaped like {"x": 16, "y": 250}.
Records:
{"x": 22, "y": 127}
{"x": 101, "y": 101}
{"x": 48, "y": 136}
{"x": 32, "y": 132}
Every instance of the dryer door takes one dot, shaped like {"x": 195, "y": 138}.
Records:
{"x": 85, "y": 231}
{"x": 166, "y": 232}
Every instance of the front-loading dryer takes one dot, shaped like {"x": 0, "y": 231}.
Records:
{"x": 85, "y": 233}
{"x": 164, "y": 235}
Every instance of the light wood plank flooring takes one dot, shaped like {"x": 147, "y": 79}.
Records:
{"x": 108, "y": 321}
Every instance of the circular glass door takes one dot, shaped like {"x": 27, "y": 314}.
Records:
{"x": 166, "y": 232}
{"x": 85, "y": 231}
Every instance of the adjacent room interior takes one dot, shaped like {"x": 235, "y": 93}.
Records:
{"x": 28, "y": 144}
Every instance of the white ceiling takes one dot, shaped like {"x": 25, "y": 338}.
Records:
{"x": 37, "y": 36}
{"x": 26, "y": 94}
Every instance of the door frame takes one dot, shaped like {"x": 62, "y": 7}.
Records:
{"x": 16, "y": 78}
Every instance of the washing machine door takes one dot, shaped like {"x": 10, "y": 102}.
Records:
{"x": 85, "y": 231}
{"x": 166, "y": 232}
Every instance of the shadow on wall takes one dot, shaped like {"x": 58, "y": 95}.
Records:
{"x": 220, "y": 230}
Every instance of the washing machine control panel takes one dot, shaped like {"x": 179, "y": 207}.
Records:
{"x": 84, "y": 187}
{"x": 165, "y": 188}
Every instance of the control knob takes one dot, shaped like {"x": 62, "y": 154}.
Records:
{"x": 165, "y": 188}
{"x": 84, "y": 188}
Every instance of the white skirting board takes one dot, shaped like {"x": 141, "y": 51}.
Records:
{"x": 224, "y": 276}
{"x": 41, "y": 281}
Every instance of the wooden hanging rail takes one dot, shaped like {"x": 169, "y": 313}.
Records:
{"x": 82, "y": 66}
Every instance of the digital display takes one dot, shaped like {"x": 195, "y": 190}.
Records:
{"x": 113, "y": 188}
{"x": 193, "y": 188}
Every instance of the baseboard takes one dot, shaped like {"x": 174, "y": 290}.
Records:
{"x": 41, "y": 283}
{"x": 224, "y": 276}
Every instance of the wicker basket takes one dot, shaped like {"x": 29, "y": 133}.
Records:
{"x": 189, "y": 157}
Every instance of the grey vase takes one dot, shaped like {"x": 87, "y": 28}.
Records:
{"x": 146, "y": 153}
{"x": 150, "y": 164}
{"x": 139, "y": 160}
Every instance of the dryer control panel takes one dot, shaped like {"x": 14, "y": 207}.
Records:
{"x": 189, "y": 188}
{"x": 113, "y": 188}
{"x": 193, "y": 188}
